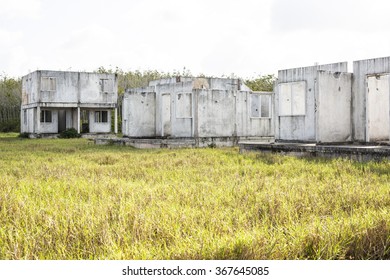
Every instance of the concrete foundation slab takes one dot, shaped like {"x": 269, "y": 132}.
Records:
{"x": 184, "y": 142}
{"x": 355, "y": 152}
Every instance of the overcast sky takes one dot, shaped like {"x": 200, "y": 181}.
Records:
{"x": 212, "y": 37}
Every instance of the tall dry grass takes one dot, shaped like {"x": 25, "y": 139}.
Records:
{"x": 70, "y": 199}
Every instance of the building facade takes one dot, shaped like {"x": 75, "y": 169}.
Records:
{"x": 54, "y": 101}
{"x": 324, "y": 103}
{"x": 199, "y": 108}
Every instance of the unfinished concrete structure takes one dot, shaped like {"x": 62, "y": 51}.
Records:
{"x": 371, "y": 102}
{"x": 208, "y": 110}
{"x": 53, "y": 101}
{"x": 325, "y": 104}
{"x": 313, "y": 104}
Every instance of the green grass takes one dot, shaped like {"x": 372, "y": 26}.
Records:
{"x": 70, "y": 199}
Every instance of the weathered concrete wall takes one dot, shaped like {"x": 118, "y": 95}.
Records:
{"x": 31, "y": 121}
{"x": 299, "y": 125}
{"x": 139, "y": 113}
{"x": 27, "y": 120}
{"x": 69, "y": 87}
{"x": 216, "y": 113}
{"x": 78, "y": 87}
{"x": 49, "y": 127}
{"x": 99, "y": 127}
{"x": 204, "y": 83}
{"x": 378, "y": 108}
{"x": 334, "y": 116}
{"x": 176, "y": 120}
{"x": 190, "y": 108}
{"x": 30, "y": 88}
{"x": 361, "y": 70}
{"x": 66, "y": 87}
{"x": 98, "y": 88}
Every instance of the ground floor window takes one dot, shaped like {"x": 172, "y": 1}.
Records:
{"x": 260, "y": 106}
{"x": 46, "y": 116}
{"x": 101, "y": 116}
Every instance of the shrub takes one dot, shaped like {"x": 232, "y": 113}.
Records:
{"x": 70, "y": 133}
{"x": 10, "y": 126}
{"x": 24, "y": 135}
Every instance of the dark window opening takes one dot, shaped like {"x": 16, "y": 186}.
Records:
{"x": 101, "y": 116}
{"x": 46, "y": 116}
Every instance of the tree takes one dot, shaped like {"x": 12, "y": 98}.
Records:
{"x": 261, "y": 83}
{"x": 10, "y": 100}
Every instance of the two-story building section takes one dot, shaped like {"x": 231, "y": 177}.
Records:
{"x": 54, "y": 101}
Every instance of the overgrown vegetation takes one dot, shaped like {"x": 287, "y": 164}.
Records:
{"x": 68, "y": 199}
{"x": 10, "y": 99}
{"x": 70, "y": 133}
{"x": 261, "y": 83}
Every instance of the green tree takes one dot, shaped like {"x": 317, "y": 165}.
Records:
{"x": 261, "y": 83}
{"x": 10, "y": 100}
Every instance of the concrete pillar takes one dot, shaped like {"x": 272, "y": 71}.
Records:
{"x": 116, "y": 120}
{"x": 22, "y": 125}
{"x": 38, "y": 120}
{"x": 78, "y": 119}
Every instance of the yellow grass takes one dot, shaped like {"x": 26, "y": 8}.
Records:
{"x": 70, "y": 199}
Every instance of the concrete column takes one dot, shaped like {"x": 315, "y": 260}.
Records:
{"x": 195, "y": 115}
{"x": 38, "y": 120}
{"x": 78, "y": 119}
{"x": 116, "y": 120}
{"x": 22, "y": 125}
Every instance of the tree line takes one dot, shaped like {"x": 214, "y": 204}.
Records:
{"x": 11, "y": 89}
{"x": 10, "y": 100}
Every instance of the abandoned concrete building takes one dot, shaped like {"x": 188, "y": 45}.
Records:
{"x": 53, "y": 101}
{"x": 312, "y": 104}
{"x": 325, "y": 104}
{"x": 316, "y": 104}
{"x": 204, "y": 109}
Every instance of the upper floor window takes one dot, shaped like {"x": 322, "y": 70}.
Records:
{"x": 48, "y": 84}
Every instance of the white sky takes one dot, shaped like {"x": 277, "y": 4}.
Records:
{"x": 213, "y": 37}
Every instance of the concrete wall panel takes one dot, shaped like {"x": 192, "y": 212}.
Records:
{"x": 65, "y": 86}
{"x": 216, "y": 113}
{"x": 141, "y": 114}
{"x": 99, "y": 127}
{"x": 378, "y": 102}
{"x": 334, "y": 107}
{"x": 362, "y": 69}
{"x": 301, "y": 128}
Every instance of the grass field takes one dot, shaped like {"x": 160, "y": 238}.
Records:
{"x": 70, "y": 199}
